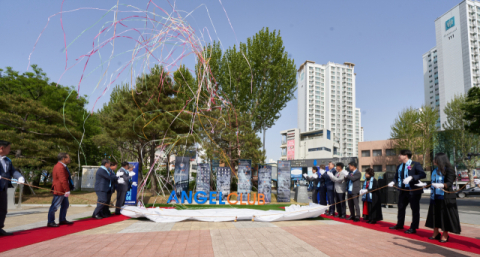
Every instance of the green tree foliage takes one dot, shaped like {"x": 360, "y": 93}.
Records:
{"x": 404, "y": 130}
{"x": 463, "y": 141}
{"x": 147, "y": 116}
{"x": 472, "y": 110}
{"x": 427, "y": 118}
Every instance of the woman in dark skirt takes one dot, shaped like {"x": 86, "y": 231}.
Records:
{"x": 372, "y": 207}
{"x": 443, "y": 212}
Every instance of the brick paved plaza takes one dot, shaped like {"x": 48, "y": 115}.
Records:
{"x": 244, "y": 238}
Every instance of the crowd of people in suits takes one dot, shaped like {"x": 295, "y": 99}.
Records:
{"x": 333, "y": 184}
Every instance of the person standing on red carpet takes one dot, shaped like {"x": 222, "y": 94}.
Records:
{"x": 62, "y": 184}
{"x": 7, "y": 171}
{"x": 353, "y": 189}
{"x": 104, "y": 182}
{"x": 372, "y": 206}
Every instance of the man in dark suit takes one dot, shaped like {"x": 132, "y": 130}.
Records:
{"x": 330, "y": 186}
{"x": 7, "y": 171}
{"x": 106, "y": 211}
{"x": 104, "y": 183}
{"x": 62, "y": 184}
{"x": 315, "y": 179}
{"x": 407, "y": 175}
{"x": 353, "y": 189}
{"x": 122, "y": 189}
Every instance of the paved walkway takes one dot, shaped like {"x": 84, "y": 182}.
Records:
{"x": 288, "y": 238}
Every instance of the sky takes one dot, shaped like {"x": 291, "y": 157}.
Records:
{"x": 384, "y": 39}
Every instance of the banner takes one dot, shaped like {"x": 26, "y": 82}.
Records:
{"x": 296, "y": 173}
{"x": 203, "y": 178}
{"x": 283, "y": 176}
{"x": 131, "y": 196}
{"x": 291, "y": 149}
{"x": 244, "y": 185}
{"x": 223, "y": 182}
{"x": 265, "y": 182}
{"x": 181, "y": 175}
{"x": 215, "y": 165}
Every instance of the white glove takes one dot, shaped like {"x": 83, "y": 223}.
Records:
{"x": 391, "y": 184}
{"x": 363, "y": 191}
{"x": 329, "y": 174}
{"x": 21, "y": 180}
{"x": 67, "y": 194}
{"x": 131, "y": 174}
{"x": 315, "y": 175}
{"x": 305, "y": 175}
{"x": 477, "y": 181}
{"x": 407, "y": 180}
{"x": 134, "y": 184}
{"x": 120, "y": 173}
{"x": 438, "y": 185}
{"x": 421, "y": 184}
{"x": 121, "y": 181}
{"x": 345, "y": 173}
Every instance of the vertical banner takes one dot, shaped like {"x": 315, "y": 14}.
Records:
{"x": 203, "y": 178}
{"x": 223, "y": 182}
{"x": 265, "y": 182}
{"x": 291, "y": 149}
{"x": 283, "y": 176}
{"x": 181, "y": 175}
{"x": 244, "y": 185}
{"x": 131, "y": 196}
{"x": 215, "y": 165}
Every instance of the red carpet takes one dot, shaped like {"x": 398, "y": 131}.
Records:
{"x": 36, "y": 235}
{"x": 458, "y": 242}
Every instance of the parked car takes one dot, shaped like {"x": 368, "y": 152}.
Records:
{"x": 475, "y": 191}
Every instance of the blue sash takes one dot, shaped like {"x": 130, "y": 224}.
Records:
{"x": 405, "y": 174}
{"x": 350, "y": 184}
{"x": 108, "y": 172}
{"x": 437, "y": 193}
{"x": 367, "y": 197}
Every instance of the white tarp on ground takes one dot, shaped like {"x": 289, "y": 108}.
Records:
{"x": 292, "y": 212}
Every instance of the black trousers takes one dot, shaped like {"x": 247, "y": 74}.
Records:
{"x": 341, "y": 207}
{"x": 405, "y": 198}
{"x": 323, "y": 195}
{"x": 314, "y": 195}
{"x": 106, "y": 209}
{"x": 331, "y": 201}
{"x": 101, "y": 198}
{"x": 120, "y": 200}
{"x": 3, "y": 206}
{"x": 354, "y": 206}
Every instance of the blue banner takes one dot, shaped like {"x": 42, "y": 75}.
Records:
{"x": 244, "y": 185}
{"x": 181, "y": 175}
{"x": 131, "y": 197}
{"x": 203, "y": 178}
{"x": 265, "y": 182}
{"x": 223, "y": 182}
{"x": 284, "y": 181}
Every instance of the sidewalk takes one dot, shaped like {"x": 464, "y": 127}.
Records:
{"x": 287, "y": 238}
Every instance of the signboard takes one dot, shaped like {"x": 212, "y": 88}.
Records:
{"x": 181, "y": 174}
{"x": 203, "y": 177}
{"x": 131, "y": 196}
{"x": 265, "y": 182}
{"x": 244, "y": 185}
{"x": 291, "y": 149}
{"x": 223, "y": 181}
{"x": 296, "y": 173}
{"x": 284, "y": 181}
{"x": 310, "y": 171}
{"x": 88, "y": 177}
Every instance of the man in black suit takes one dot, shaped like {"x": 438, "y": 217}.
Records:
{"x": 407, "y": 175}
{"x": 353, "y": 189}
{"x": 105, "y": 181}
{"x": 6, "y": 171}
{"x": 122, "y": 189}
{"x": 315, "y": 179}
{"x": 329, "y": 186}
{"x": 106, "y": 210}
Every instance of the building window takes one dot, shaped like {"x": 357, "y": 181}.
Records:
{"x": 365, "y": 167}
{"x": 366, "y": 153}
{"x": 390, "y": 152}
{"x": 391, "y": 168}
{"x": 377, "y": 153}
{"x": 377, "y": 168}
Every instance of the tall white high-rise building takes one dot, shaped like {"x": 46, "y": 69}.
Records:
{"x": 451, "y": 67}
{"x": 326, "y": 100}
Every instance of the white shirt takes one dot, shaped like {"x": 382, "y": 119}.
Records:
{"x": 4, "y": 163}
{"x": 64, "y": 165}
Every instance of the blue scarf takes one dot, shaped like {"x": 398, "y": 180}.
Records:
{"x": 405, "y": 174}
{"x": 350, "y": 183}
{"x": 108, "y": 172}
{"x": 437, "y": 177}
{"x": 367, "y": 197}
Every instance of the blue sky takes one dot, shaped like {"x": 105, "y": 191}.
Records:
{"x": 384, "y": 39}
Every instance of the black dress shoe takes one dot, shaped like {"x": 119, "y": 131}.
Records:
{"x": 356, "y": 220}
{"x": 444, "y": 241}
{"x": 411, "y": 231}
{"x": 5, "y": 233}
{"x": 98, "y": 217}
{"x": 350, "y": 218}
{"x": 373, "y": 222}
{"x": 436, "y": 237}
{"x": 337, "y": 216}
{"x": 66, "y": 222}
{"x": 396, "y": 227}
{"x": 343, "y": 217}
{"x": 52, "y": 225}
{"x": 369, "y": 221}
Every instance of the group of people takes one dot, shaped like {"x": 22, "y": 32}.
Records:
{"x": 332, "y": 184}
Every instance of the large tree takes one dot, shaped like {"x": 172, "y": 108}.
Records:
{"x": 405, "y": 131}
{"x": 464, "y": 142}
{"x": 472, "y": 110}
{"x": 427, "y": 118}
